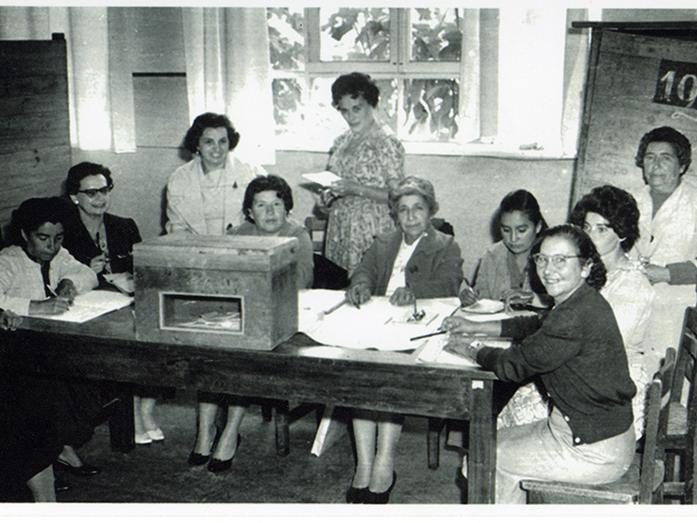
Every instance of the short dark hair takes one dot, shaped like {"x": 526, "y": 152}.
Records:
{"x": 617, "y": 206}
{"x": 585, "y": 248}
{"x": 34, "y": 212}
{"x": 354, "y": 85}
{"x": 680, "y": 143}
{"x": 413, "y": 185}
{"x": 82, "y": 170}
{"x": 205, "y": 121}
{"x": 270, "y": 182}
{"x": 523, "y": 201}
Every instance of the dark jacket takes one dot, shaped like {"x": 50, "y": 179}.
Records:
{"x": 433, "y": 271}
{"x": 579, "y": 355}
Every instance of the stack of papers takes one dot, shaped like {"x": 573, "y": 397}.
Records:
{"x": 90, "y": 305}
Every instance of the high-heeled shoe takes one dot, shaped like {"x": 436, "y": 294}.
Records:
{"x": 380, "y": 498}
{"x": 221, "y": 465}
{"x": 196, "y": 459}
{"x": 356, "y": 495}
{"x": 84, "y": 470}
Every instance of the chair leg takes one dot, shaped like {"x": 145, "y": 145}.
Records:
{"x": 282, "y": 430}
{"x": 435, "y": 426}
{"x": 266, "y": 412}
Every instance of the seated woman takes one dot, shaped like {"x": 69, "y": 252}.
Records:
{"x": 504, "y": 270}
{"x": 414, "y": 262}
{"x": 267, "y": 202}
{"x": 29, "y": 443}
{"x": 41, "y": 277}
{"x": 579, "y": 355}
{"x": 105, "y": 242}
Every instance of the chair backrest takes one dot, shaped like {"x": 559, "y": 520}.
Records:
{"x": 656, "y": 416}
{"x": 685, "y": 368}
{"x": 316, "y": 228}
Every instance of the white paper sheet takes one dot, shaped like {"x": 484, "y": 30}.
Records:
{"x": 325, "y": 178}
{"x": 90, "y": 305}
{"x": 433, "y": 351}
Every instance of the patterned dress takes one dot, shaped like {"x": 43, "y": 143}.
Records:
{"x": 377, "y": 161}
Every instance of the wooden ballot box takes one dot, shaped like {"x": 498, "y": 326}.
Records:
{"x": 220, "y": 291}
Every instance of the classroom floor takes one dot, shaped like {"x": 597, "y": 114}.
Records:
{"x": 159, "y": 473}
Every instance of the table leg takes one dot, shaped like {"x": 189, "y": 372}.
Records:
{"x": 481, "y": 457}
{"x": 282, "y": 430}
{"x": 121, "y": 429}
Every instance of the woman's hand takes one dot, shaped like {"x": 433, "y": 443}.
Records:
{"x": 55, "y": 305}
{"x": 402, "y": 296}
{"x": 656, "y": 273}
{"x": 458, "y": 325}
{"x": 66, "y": 289}
{"x": 517, "y": 296}
{"x": 462, "y": 346}
{"x": 346, "y": 188}
{"x": 9, "y": 320}
{"x": 97, "y": 263}
{"x": 358, "y": 294}
{"x": 468, "y": 295}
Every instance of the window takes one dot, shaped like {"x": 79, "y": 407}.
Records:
{"x": 449, "y": 78}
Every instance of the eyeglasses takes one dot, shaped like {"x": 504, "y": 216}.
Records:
{"x": 558, "y": 260}
{"x": 91, "y": 193}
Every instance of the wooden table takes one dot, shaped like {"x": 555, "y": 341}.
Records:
{"x": 106, "y": 349}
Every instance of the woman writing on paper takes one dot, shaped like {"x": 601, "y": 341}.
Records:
{"x": 105, "y": 242}
{"x": 579, "y": 355}
{"x": 370, "y": 162}
{"x": 413, "y": 262}
{"x": 39, "y": 276}
{"x": 505, "y": 269}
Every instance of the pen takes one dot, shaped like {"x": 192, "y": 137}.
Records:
{"x": 334, "y": 307}
{"x": 423, "y": 336}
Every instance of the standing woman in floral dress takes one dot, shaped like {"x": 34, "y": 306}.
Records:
{"x": 370, "y": 162}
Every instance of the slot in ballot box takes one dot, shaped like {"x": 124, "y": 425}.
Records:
{"x": 220, "y": 291}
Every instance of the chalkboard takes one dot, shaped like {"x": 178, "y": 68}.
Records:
{"x": 635, "y": 82}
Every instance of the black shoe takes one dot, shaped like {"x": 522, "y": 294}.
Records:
{"x": 83, "y": 470}
{"x": 356, "y": 495}
{"x": 196, "y": 459}
{"x": 221, "y": 465}
{"x": 60, "y": 485}
{"x": 380, "y": 498}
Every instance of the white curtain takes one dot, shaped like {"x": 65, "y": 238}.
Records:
{"x": 90, "y": 78}
{"x": 228, "y": 71}
{"x": 470, "y": 78}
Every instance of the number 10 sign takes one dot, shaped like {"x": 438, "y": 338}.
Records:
{"x": 676, "y": 84}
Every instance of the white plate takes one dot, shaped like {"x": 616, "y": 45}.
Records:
{"x": 484, "y": 306}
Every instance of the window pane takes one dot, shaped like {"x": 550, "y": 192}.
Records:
{"x": 430, "y": 110}
{"x": 354, "y": 34}
{"x": 286, "y": 38}
{"x": 287, "y": 104}
{"x": 436, "y": 34}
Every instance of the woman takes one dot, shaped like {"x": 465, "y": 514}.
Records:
{"x": 668, "y": 242}
{"x": 579, "y": 355}
{"x": 504, "y": 269}
{"x": 204, "y": 196}
{"x": 40, "y": 277}
{"x": 267, "y": 202}
{"x": 414, "y": 262}
{"x": 370, "y": 162}
{"x": 105, "y": 242}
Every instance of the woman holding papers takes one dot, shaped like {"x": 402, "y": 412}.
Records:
{"x": 370, "y": 161}
{"x": 414, "y": 262}
{"x": 105, "y": 242}
{"x": 41, "y": 277}
{"x": 579, "y": 355}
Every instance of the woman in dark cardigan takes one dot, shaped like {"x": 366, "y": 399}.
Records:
{"x": 579, "y": 355}
{"x": 105, "y": 242}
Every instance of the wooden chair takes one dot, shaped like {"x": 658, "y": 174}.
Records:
{"x": 643, "y": 482}
{"x": 682, "y": 419}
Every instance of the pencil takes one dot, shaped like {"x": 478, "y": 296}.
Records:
{"x": 437, "y": 333}
{"x": 334, "y": 307}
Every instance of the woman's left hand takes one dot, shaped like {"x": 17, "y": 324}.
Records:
{"x": 9, "y": 320}
{"x": 346, "y": 188}
{"x": 402, "y": 296}
{"x": 66, "y": 289}
{"x": 462, "y": 346}
{"x": 657, "y": 274}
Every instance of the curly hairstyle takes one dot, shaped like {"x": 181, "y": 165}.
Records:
{"x": 681, "y": 146}
{"x": 523, "y": 201}
{"x": 354, "y": 85}
{"x": 617, "y": 206}
{"x": 270, "y": 182}
{"x": 82, "y": 170}
{"x": 584, "y": 247}
{"x": 34, "y": 212}
{"x": 205, "y": 121}
{"x": 413, "y": 185}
